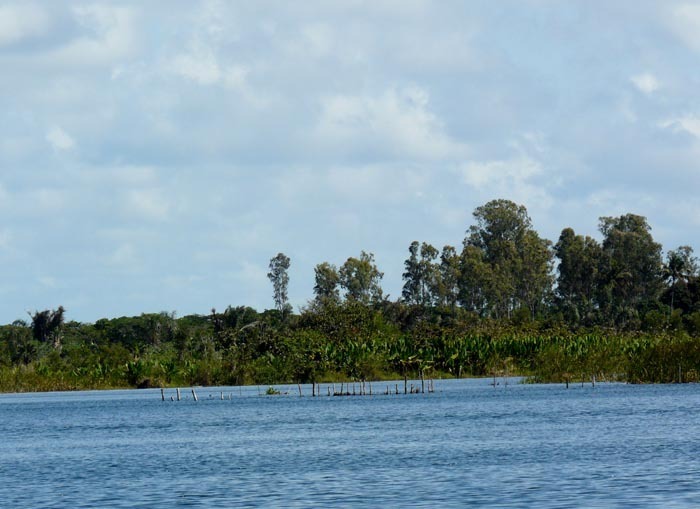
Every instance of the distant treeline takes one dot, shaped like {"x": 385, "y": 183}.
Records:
{"x": 508, "y": 302}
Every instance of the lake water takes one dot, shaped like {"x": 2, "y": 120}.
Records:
{"x": 466, "y": 445}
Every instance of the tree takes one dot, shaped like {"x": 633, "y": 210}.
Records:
{"x": 47, "y": 325}
{"x": 631, "y": 268}
{"x": 412, "y": 276}
{"x": 280, "y": 280}
{"x": 361, "y": 279}
{"x": 534, "y": 272}
{"x": 327, "y": 280}
{"x": 514, "y": 267}
{"x": 579, "y": 260}
{"x": 476, "y": 281}
{"x": 681, "y": 266}
{"x": 421, "y": 275}
{"x": 449, "y": 277}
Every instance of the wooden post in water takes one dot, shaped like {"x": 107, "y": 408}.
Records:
{"x": 397, "y": 388}
{"x": 299, "y": 386}
{"x": 162, "y": 394}
{"x": 422, "y": 382}
{"x": 680, "y": 375}
{"x": 194, "y": 395}
{"x": 405, "y": 384}
{"x": 313, "y": 389}
{"x": 593, "y": 381}
{"x": 370, "y": 388}
{"x": 222, "y": 395}
{"x": 178, "y": 394}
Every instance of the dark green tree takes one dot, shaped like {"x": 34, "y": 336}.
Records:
{"x": 412, "y": 275}
{"x": 421, "y": 276}
{"x": 681, "y": 266}
{"x": 579, "y": 260}
{"x": 476, "y": 281}
{"x": 631, "y": 274}
{"x": 449, "y": 272}
{"x": 47, "y": 325}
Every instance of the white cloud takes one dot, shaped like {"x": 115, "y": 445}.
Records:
{"x": 48, "y": 281}
{"x": 200, "y": 67}
{"x": 319, "y": 39}
{"x": 147, "y": 204}
{"x": 44, "y": 201}
{"x": 5, "y": 239}
{"x": 500, "y": 173}
{"x": 125, "y": 254}
{"x": 398, "y": 122}
{"x": 59, "y": 139}
{"x": 646, "y": 83}
{"x": 108, "y": 34}
{"x": 685, "y": 23}
{"x": 21, "y": 21}
{"x": 688, "y": 123}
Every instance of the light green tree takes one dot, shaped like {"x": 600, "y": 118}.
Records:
{"x": 278, "y": 275}
{"x": 360, "y": 278}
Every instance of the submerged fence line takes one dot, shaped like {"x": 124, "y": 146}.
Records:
{"x": 359, "y": 388}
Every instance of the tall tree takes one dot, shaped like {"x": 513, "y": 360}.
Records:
{"x": 579, "y": 260}
{"x": 518, "y": 260}
{"x": 631, "y": 269}
{"x": 681, "y": 266}
{"x": 449, "y": 277}
{"x": 279, "y": 265}
{"x": 476, "y": 282}
{"x": 47, "y": 325}
{"x": 412, "y": 275}
{"x": 361, "y": 279}
{"x": 421, "y": 275}
{"x": 326, "y": 284}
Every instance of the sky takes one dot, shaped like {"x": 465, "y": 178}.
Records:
{"x": 155, "y": 155}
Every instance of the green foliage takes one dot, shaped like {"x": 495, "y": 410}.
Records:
{"x": 279, "y": 265}
{"x": 616, "y": 312}
{"x": 361, "y": 279}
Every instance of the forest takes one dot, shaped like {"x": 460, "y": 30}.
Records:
{"x": 506, "y": 302}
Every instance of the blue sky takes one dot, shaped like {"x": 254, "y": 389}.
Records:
{"x": 155, "y": 155}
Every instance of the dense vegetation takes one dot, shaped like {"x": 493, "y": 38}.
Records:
{"x": 614, "y": 309}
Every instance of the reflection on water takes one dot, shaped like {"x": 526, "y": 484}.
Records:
{"x": 468, "y": 444}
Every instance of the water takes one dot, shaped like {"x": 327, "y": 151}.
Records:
{"x": 466, "y": 445}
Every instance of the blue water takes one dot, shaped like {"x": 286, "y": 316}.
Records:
{"x": 466, "y": 445}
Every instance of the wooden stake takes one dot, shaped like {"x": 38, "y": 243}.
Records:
{"x": 422, "y": 382}
{"x": 299, "y": 386}
{"x": 162, "y": 394}
{"x": 178, "y": 394}
{"x": 194, "y": 395}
